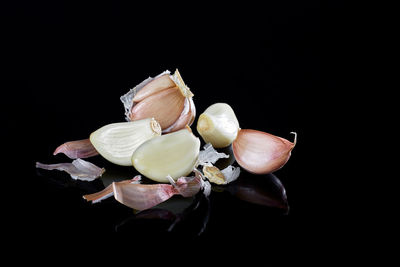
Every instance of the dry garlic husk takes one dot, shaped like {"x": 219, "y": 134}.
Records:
{"x": 218, "y": 125}
{"x": 165, "y": 98}
{"x": 261, "y": 153}
{"x": 173, "y": 154}
{"x": 117, "y": 141}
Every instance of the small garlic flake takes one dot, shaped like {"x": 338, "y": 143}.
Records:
{"x": 210, "y": 155}
{"x": 79, "y": 169}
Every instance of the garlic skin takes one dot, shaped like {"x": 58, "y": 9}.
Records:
{"x": 117, "y": 141}
{"x": 218, "y": 125}
{"x": 261, "y": 153}
{"x": 165, "y": 98}
{"x": 173, "y": 154}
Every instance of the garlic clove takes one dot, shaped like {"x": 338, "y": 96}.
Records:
{"x": 218, "y": 125}
{"x": 117, "y": 141}
{"x": 186, "y": 118}
{"x": 173, "y": 154}
{"x": 261, "y": 153}
{"x": 165, "y": 106}
{"x": 157, "y": 84}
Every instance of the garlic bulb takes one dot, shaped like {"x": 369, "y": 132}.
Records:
{"x": 218, "y": 125}
{"x": 261, "y": 153}
{"x": 173, "y": 154}
{"x": 117, "y": 141}
{"x": 165, "y": 98}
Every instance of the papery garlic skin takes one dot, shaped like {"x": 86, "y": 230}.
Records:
{"x": 117, "y": 141}
{"x": 173, "y": 154}
{"x": 260, "y": 152}
{"x": 165, "y": 97}
{"x": 218, "y": 125}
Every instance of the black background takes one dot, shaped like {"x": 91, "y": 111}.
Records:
{"x": 65, "y": 66}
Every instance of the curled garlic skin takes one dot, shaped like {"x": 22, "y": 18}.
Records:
{"x": 260, "y": 152}
{"x": 165, "y": 97}
{"x": 174, "y": 154}
{"x": 117, "y": 141}
{"x": 218, "y": 125}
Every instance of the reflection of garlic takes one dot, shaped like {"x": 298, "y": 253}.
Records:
{"x": 218, "y": 125}
{"x": 173, "y": 154}
{"x": 165, "y": 98}
{"x": 117, "y": 141}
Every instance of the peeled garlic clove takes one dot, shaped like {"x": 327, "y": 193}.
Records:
{"x": 218, "y": 125}
{"x": 173, "y": 154}
{"x": 158, "y": 84}
{"x": 165, "y": 106}
{"x": 117, "y": 141}
{"x": 261, "y": 153}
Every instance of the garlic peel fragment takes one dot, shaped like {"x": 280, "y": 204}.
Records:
{"x": 209, "y": 155}
{"x": 144, "y": 196}
{"x": 216, "y": 176}
{"x": 77, "y": 149}
{"x": 79, "y": 169}
{"x": 117, "y": 141}
{"x": 108, "y": 191}
{"x": 260, "y": 152}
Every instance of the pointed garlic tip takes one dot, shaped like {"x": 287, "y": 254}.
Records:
{"x": 173, "y": 154}
{"x": 117, "y": 141}
{"x": 261, "y": 153}
{"x": 218, "y": 125}
{"x": 177, "y": 78}
{"x": 295, "y": 138}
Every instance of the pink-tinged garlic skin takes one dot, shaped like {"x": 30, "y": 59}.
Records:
{"x": 162, "y": 106}
{"x": 261, "y": 153}
{"x": 77, "y": 149}
{"x": 158, "y": 84}
{"x": 159, "y": 98}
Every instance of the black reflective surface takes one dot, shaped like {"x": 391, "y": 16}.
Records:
{"x": 65, "y": 73}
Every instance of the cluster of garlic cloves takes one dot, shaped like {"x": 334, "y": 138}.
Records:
{"x": 165, "y": 98}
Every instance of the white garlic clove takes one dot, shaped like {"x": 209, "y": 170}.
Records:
{"x": 261, "y": 153}
{"x": 173, "y": 154}
{"x": 218, "y": 125}
{"x": 117, "y": 141}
